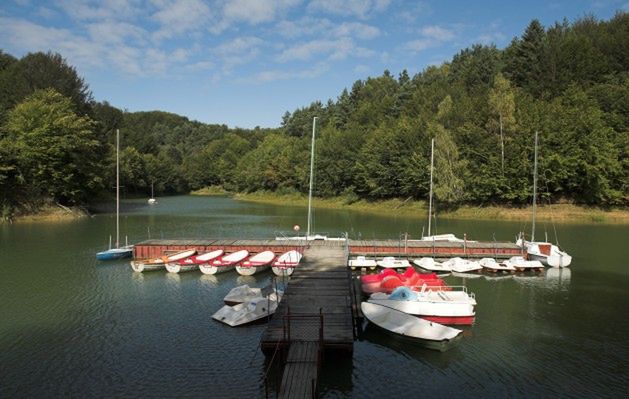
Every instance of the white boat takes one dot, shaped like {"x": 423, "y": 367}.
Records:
{"x": 152, "y": 200}
{"x": 449, "y": 237}
{"x": 256, "y": 263}
{"x": 521, "y": 264}
{"x": 243, "y": 293}
{"x": 445, "y": 307}
{"x": 247, "y": 312}
{"x": 547, "y": 253}
{"x": 432, "y": 265}
{"x": 145, "y": 265}
{"x": 389, "y": 262}
{"x": 491, "y": 265}
{"x": 117, "y": 252}
{"x": 462, "y": 265}
{"x": 544, "y": 252}
{"x": 285, "y": 264}
{"x": 432, "y": 335}
{"x": 192, "y": 263}
{"x": 362, "y": 261}
{"x": 225, "y": 263}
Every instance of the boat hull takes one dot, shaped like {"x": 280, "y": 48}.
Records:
{"x": 115, "y": 254}
{"x": 179, "y": 268}
{"x": 454, "y": 313}
{"x": 429, "y": 334}
{"x": 212, "y": 269}
{"x": 250, "y": 270}
{"x": 256, "y": 310}
{"x": 142, "y": 267}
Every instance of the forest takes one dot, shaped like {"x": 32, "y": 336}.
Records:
{"x": 569, "y": 82}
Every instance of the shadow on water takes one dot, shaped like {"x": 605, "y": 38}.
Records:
{"x": 411, "y": 348}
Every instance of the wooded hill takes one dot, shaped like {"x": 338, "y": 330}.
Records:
{"x": 569, "y": 82}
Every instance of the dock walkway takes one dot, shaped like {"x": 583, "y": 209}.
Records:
{"x": 314, "y": 316}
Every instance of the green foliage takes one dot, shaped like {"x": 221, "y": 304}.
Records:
{"x": 569, "y": 82}
{"x": 52, "y": 147}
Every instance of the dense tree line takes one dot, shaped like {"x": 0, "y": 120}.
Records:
{"x": 569, "y": 82}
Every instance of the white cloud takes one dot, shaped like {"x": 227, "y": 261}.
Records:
{"x": 27, "y": 36}
{"x": 437, "y": 33}
{"x": 418, "y": 45}
{"x": 275, "y": 75}
{"x": 356, "y": 8}
{"x": 238, "y": 51}
{"x": 309, "y": 26}
{"x": 115, "y": 32}
{"x": 362, "y": 69}
{"x": 254, "y": 12}
{"x": 179, "y": 16}
{"x": 98, "y": 10}
{"x": 430, "y": 36}
{"x": 332, "y": 49}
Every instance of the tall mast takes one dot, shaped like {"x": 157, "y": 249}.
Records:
{"x": 432, "y": 164}
{"x": 117, "y": 188}
{"x": 314, "y": 125}
{"x": 534, "y": 189}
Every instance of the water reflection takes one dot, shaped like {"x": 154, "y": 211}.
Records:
{"x": 174, "y": 279}
{"x": 551, "y": 278}
{"x": 410, "y": 347}
{"x": 559, "y": 278}
{"x": 209, "y": 280}
{"x": 467, "y": 275}
{"x": 498, "y": 277}
{"x": 248, "y": 280}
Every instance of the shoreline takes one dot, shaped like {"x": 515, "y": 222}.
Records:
{"x": 50, "y": 213}
{"x": 562, "y": 213}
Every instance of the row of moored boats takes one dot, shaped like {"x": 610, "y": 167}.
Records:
{"x": 219, "y": 261}
{"x": 459, "y": 265}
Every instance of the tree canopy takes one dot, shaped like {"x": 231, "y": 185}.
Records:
{"x": 569, "y": 82}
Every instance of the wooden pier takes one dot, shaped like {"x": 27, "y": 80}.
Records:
{"x": 437, "y": 249}
{"x": 156, "y": 248}
{"x": 371, "y": 248}
{"x": 314, "y": 316}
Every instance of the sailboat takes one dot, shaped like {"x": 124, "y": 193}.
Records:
{"x": 152, "y": 200}
{"x": 547, "y": 253}
{"x": 439, "y": 237}
{"x": 309, "y": 236}
{"x": 117, "y": 252}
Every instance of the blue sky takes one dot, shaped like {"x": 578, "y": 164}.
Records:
{"x": 245, "y": 62}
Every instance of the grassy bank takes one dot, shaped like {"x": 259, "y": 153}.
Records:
{"x": 48, "y": 213}
{"x": 565, "y": 213}
{"x": 212, "y": 190}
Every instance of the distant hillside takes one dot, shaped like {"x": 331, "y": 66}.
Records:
{"x": 568, "y": 81}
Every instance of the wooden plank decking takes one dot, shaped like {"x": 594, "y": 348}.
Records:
{"x": 319, "y": 284}
{"x": 301, "y": 371}
{"x": 315, "y": 315}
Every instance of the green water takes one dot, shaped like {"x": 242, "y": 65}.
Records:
{"x": 71, "y": 326}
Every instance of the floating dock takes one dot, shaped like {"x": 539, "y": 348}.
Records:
{"x": 156, "y": 248}
{"x": 371, "y": 248}
{"x": 436, "y": 249}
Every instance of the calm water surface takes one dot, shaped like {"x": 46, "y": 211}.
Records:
{"x": 70, "y": 326}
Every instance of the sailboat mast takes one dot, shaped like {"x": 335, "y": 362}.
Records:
{"x": 117, "y": 188}
{"x": 314, "y": 125}
{"x": 432, "y": 164}
{"x": 534, "y": 189}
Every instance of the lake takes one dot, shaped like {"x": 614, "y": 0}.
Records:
{"x": 72, "y": 326}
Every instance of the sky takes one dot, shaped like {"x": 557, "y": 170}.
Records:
{"x": 244, "y": 63}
